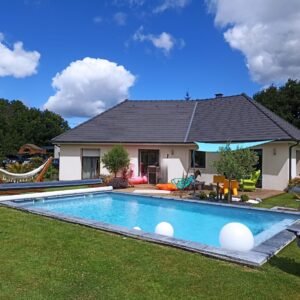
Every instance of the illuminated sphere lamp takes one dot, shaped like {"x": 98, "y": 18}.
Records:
{"x": 236, "y": 236}
{"x": 164, "y": 228}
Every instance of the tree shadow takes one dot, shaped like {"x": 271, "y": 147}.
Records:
{"x": 286, "y": 264}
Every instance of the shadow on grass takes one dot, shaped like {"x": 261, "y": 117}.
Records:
{"x": 287, "y": 265}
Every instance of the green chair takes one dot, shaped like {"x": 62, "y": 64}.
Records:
{"x": 183, "y": 183}
{"x": 249, "y": 184}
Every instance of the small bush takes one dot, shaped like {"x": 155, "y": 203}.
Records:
{"x": 202, "y": 196}
{"x": 51, "y": 174}
{"x": 294, "y": 182}
{"x": 213, "y": 195}
{"x": 244, "y": 198}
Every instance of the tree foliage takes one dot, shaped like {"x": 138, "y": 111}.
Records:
{"x": 20, "y": 125}
{"x": 235, "y": 164}
{"x": 116, "y": 159}
{"x": 284, "y": 101}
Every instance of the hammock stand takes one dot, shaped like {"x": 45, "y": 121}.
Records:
{"x": 6, "y": 176}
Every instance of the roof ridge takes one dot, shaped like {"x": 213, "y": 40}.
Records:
{"x": 190, "y": 123}
{"x": 89, "y": 120}
{"x": 257, "y": 105}
{"x": 183, "y": 100}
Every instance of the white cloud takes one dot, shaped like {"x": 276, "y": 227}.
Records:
{"x": 88, "y": 87}
{"x": 164, "y": 41}
{"x": 130, "y": 3}
{"x": 17, "y": 62}
{"x": 266, "y": 32}
{"x": 171, "y": 4}
{"x": 120, "y": 18}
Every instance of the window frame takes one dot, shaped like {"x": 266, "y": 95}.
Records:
{"x": 191, "y": 159}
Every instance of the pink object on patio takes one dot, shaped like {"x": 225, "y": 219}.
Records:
{"x": 138, "y": 180}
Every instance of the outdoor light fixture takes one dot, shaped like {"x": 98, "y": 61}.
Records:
{"x": 164, "y": 228}
{"x": 237, "y": 237}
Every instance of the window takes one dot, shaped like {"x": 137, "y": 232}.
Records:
{"x": 90, "y": 163}
{"x": 200, "y": 159}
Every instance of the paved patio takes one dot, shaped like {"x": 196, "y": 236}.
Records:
{"x": 259, "y": 193}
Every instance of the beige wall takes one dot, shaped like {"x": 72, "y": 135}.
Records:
{"x": 70, "y": 162}
{"x": 175, "y": 160}
{"x": 275, "y": 169}
{"x": 176, "y": 156}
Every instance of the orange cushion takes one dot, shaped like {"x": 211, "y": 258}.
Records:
{"x": 167, "y": 186}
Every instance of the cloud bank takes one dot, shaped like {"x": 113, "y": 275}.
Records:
{"x": 88, "y": 87}
{"x": 266, "y": 32}
{"x": 17, "y": 62}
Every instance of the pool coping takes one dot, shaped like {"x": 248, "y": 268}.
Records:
{"x": 256, "y": 257}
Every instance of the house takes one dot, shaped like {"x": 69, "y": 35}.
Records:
{"x": 31, "y": 149}
{"x": 163, "y": 132}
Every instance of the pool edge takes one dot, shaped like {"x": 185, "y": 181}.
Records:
{"x": 254, "y": 258}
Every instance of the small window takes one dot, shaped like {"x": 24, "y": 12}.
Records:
{"x": 200, "y": 159}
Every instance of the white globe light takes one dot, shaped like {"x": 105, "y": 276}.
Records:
{"x": 164, "y": 228}
{"x": 137, "y": 228}
{"x": 236, "y": 236}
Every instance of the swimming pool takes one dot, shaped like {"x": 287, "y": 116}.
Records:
{"x": 196, "y": 224}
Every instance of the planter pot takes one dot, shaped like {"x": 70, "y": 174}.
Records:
{"x": 119, "y": 183}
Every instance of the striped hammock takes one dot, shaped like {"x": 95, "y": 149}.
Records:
{"x": 21, "y": 177}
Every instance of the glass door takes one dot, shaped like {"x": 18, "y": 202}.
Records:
{"x": 297, "y": 162}
{"x": 259, "y": 165}
{"x": 147, "y": 158}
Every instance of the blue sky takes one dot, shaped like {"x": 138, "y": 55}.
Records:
{"x": 166, "y": 47}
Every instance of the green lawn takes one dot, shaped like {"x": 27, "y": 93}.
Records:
{"x": 48, "y": 259}
{"x": 284, "y": 200}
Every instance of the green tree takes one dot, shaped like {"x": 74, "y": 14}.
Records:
{"x": 235, "y": 165}
{"x": 20, "y": 125}
{"x": 116, "y": 159}
{"x": 284, "y": 101}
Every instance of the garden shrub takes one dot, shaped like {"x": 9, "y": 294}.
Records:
{"x": 213, "y": 195}
{"x": 202, "y": 196}
{"x": 244, "y": 198}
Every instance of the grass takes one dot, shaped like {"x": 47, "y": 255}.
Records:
{"x": 283, "y": 200}
{"x": 48, "y": 259}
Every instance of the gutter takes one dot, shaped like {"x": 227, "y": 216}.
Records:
{"x": 290, "y": 159}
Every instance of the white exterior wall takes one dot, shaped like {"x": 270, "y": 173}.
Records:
{"x": 275, "y": 165}
{"x": 175, "y": 156}
{"x": 175, "y": 160}
{"x": 70, "y": 162}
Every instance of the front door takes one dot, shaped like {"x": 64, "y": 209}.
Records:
{"x": 147, "y": 158}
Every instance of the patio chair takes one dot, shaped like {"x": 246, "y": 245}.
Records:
{"x": 234, "y": 187}
{"x": 183, "y": 183}
{"x": 250, "y": 184}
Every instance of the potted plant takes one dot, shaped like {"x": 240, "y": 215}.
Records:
{"x": 115, "y": 160}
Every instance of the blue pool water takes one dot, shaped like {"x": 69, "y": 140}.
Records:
{"x": 197, "y": 222}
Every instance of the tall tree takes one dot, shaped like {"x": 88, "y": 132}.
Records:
{"x": 284, "y": 101}
{"x": 20, "y": 125}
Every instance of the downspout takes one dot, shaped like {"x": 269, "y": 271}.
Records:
{"x": 290, "y": 159}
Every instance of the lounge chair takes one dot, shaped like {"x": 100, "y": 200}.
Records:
{"x": 183, "y": 183}
{"x": 250, "y": 184}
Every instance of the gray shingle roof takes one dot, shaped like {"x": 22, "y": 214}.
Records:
{"x": 232, "y": 118}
